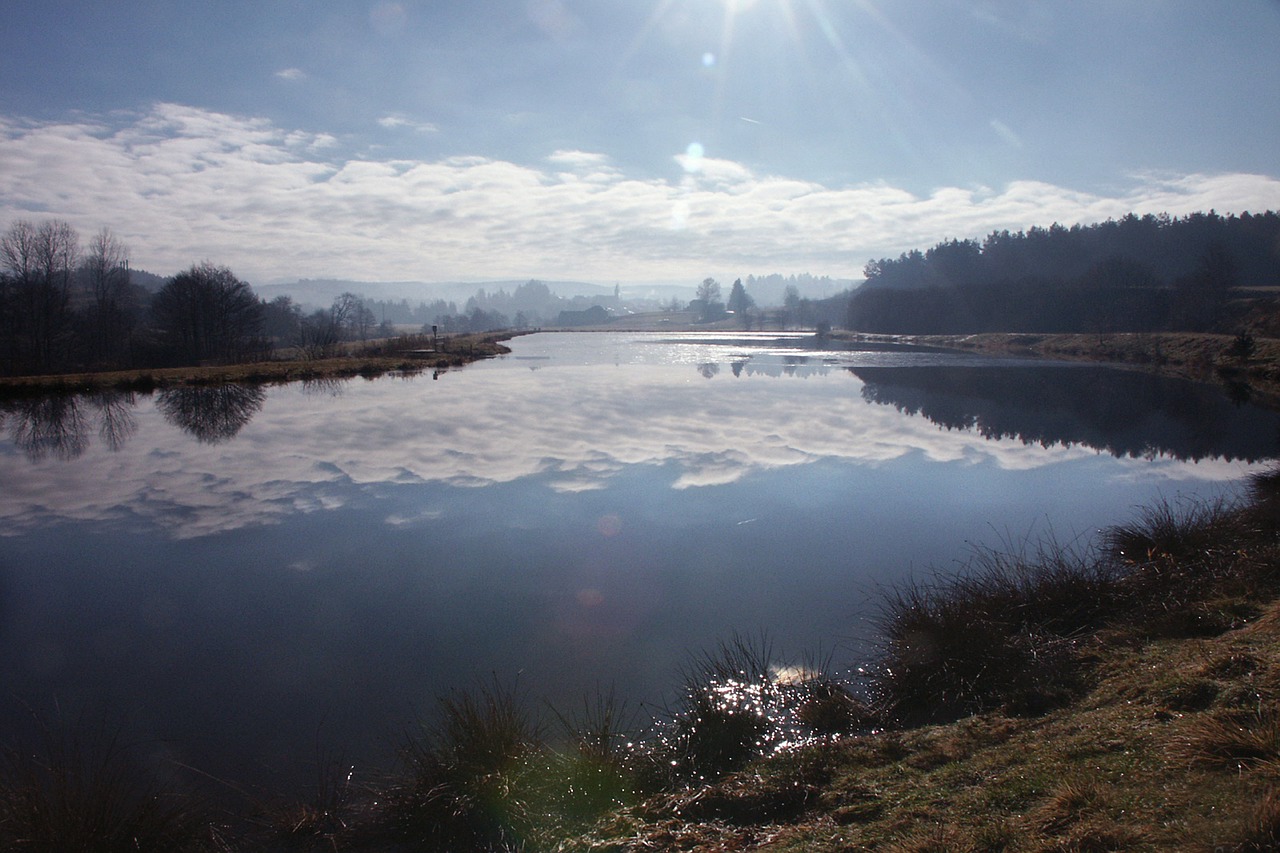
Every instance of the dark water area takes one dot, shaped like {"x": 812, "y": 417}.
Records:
{"x": 243, "y": 578}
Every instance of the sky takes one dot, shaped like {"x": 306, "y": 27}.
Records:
{"x": 622, "y": 140}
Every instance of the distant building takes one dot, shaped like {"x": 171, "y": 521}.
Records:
{"x": 596, "y": 315}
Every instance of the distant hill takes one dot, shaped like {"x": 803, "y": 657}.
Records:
{"x": 147, "y": 280}
{"x": 320, "y": 292}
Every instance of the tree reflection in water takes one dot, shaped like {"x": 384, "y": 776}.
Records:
{"x": 116, "y": 424}
{"x": 1121, "y": 412}
{"x": 212, "y": 414}
{"x": 324, "y": 386}
{"x": 52, "y": 426}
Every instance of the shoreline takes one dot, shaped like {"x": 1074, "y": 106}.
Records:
{"x": 1201, "y": 357}
{"x": 370, "y": 360}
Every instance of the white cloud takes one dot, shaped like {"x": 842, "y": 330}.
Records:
{"x": 181, "y": 184}
{"x": 291, "y": 74}
{"x": 394, "y": 121}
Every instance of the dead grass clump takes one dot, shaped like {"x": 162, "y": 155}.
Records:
{"x": 86, "y": 792}
{"x": 998, "y": 635}
{"x": 935, "y": 839}
{"x": 722, "y": 720}
{"x": 1066, "y": 805}
{"x": 1234, "y": 740}
{"x": 1188, "y": 695}
{"x": 1257, "y": 831}
{"x": 597, "y": 772}
{"x": 828, "y": 708}
{"x": 1166, "y": 533}
{"x": 323, "y": 820}
{"x": 743, "y": 800}
{"x": 1231, "y": 667}
{"x": 1262, "y": 832}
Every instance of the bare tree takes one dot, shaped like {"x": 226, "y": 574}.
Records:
{"x": 18, "y": 250}
{"x": 106, "y": 265}
{"x": 206, "y": 313}
{"x": 352, "y": 317}
{"x": 40, "y": 261}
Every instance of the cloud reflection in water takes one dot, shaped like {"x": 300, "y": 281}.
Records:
{"x": 574, "y": 426}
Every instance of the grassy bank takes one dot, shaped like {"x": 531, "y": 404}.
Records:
{"x": 1200, "y": 356}
{"x": 1120, "y": 696}
{"x": 406, "y": 354}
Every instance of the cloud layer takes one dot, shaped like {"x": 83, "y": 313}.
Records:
{"x": 181, "y": 184}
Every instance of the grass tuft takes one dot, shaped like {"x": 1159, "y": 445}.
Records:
{"x": 88, "y": 793}
{"x": 1000, "y": 634}
{"x": 1234, "y": 740}
{"x": 470, "y": 774}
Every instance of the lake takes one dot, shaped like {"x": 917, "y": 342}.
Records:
{"x": 245, "y": 578}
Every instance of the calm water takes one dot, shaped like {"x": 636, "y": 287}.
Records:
{"x": 239, "y": 575}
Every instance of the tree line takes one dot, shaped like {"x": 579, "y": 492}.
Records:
{"x": 1148, "y": 273}
{"x": 66, "y": 308}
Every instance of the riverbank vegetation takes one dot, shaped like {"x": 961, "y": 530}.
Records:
{"x": 68, "y": 314}
{"x": 1122, "y": 694}
{"x": 1245, "y": 364}
{"x": 407, "y": 354}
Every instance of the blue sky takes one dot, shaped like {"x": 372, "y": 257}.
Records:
{"x": 622, "y": 140}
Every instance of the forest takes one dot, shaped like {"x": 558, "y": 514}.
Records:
{"x": 68, "y": 309}
{"x": 1201, "y": 272}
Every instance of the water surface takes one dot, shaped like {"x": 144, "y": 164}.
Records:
{"x": 240, "y": 574}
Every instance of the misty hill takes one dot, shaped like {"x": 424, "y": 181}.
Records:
{"x": 771, "y": 290}
{"x": 147, "y": 280}
{"x": 320, "y": 292}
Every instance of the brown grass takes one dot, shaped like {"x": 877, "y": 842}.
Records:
{"x": 373, "y": 359}
{"x": 1192, "y": 355}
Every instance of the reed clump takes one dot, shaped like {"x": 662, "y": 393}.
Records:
{"x": 88, "y": 790}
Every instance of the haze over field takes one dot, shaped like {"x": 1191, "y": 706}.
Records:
{"x": 614, "y": 140}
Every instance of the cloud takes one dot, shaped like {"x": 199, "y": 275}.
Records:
{"x": 395, "y": 121}
{"x": 181, "y": 184}
{"x": 291, "y": 74}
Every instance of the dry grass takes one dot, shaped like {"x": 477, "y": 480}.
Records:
{"x": 370, "y": 360}
{"x": 87, "y": 791}
{"x": 1193, "y": 355}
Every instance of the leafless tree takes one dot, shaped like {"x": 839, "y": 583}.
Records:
{"x": 40, "y": 262}
{"x": 207, "y": 314}
{"x": 106, "y": 266}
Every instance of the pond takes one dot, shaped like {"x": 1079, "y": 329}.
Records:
{"x": 246, "y": 577}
